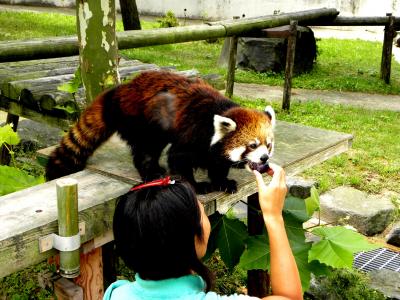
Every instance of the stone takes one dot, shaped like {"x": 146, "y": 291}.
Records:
{"x": 393, "y": 237}
{"x": 269, "y": 54}
{"x": 386, "y": 281}
{"x": 369, "y": 214}
{"x": 300, "y": 187}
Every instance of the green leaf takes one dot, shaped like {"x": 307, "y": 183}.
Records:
{"x": 7, "y": 135}
{"x": 73, "y": 85}
{"x": 296, "y": 208}
{"x": 337, "y": 246}
{"x": 230, "y": 240}
{"x": 13, "y": 179}
{"x": 68, "y": 109}
{"x": 312, "y": 202}
{"x": 215, "y": 221}
{"x": 256, "y": 255}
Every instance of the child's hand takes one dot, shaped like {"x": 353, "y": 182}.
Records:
{"x": 272, "y": 197}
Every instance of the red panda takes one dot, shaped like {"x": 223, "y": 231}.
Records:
{"x": 205, "y": 129}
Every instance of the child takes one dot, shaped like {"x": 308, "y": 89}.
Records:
{"x": 161, "y": 232}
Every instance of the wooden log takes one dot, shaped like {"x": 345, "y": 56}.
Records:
{"x": 290, "y": 54}
{"x": 67, "y": 208}
{"x": 258, "y": 282}
{"x": 8, "y": 105}
{"x": 5, "y": 156}
{"x": 68, "y": 46}
{"x": 386, "y": 60}
{"x": 65, "y": 289}
{"x": 352, "y": 21}
{"x": 230, "y": 80}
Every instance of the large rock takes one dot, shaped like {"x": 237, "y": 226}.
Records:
{"x": 369, "y": 214}
{"x": 269, "y": 54}
{"x": 386, "y": 281}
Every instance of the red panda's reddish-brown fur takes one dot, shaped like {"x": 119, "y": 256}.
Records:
{"x": 157, "y": 108}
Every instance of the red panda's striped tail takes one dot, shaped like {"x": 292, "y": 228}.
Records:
{"x": 80, "y": 141}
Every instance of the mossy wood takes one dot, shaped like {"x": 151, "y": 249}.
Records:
{"x": 32, "y": 213}
{"x": 67, "y": 46}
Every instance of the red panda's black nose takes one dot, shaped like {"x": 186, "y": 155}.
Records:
{"x": 264, "y": 158}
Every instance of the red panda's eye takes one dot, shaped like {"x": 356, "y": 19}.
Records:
{"x": 253, "y": 146}
{"x": 269, "y": 145}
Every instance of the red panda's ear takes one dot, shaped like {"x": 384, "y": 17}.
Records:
{"x": 222, "y": 126}
{"x": 271, "y": 114}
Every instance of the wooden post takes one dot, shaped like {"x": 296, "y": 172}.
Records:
{"x": 231, "y": 43}
{"x": 67, "y": 206}
{"x": 4, "y": 155}
{"x": 290, "y": 56}
{"x": 230, "y": 80}
{"x": 258, "y": 283}
{"x": 91, "y": 278}
{"x": 386, "y": 60}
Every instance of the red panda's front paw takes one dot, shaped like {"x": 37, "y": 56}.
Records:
{"x": 228, "y": 186}
{"x": 203, "y": 187}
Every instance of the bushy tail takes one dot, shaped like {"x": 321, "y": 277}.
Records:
{"x": 80, "y": 141}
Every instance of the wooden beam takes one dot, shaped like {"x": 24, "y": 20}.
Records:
{"x": 68, "y": 46}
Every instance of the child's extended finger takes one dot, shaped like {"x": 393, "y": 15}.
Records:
{"x": 259, "y": 179}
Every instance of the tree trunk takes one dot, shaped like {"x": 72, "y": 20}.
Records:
{"x": 130, "y": 15}
{"x": 98, "y": 47}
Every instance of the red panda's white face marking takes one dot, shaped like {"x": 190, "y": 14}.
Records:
{"x": 250, "y": 140}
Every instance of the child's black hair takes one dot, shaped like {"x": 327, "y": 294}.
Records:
{"x": 154, "y": 230}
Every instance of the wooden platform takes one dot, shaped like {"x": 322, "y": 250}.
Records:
{"x": 30, "y": 214}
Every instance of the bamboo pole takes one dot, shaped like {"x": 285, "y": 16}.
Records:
{"x": 67, "y": 207}
{"x": 68, "y": 46}
{"x": 290, "y": 56}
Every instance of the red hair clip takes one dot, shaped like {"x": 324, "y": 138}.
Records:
{"x": 159, "y": 182}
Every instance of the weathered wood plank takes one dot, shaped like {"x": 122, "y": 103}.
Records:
{"x": 32, "y": 213}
